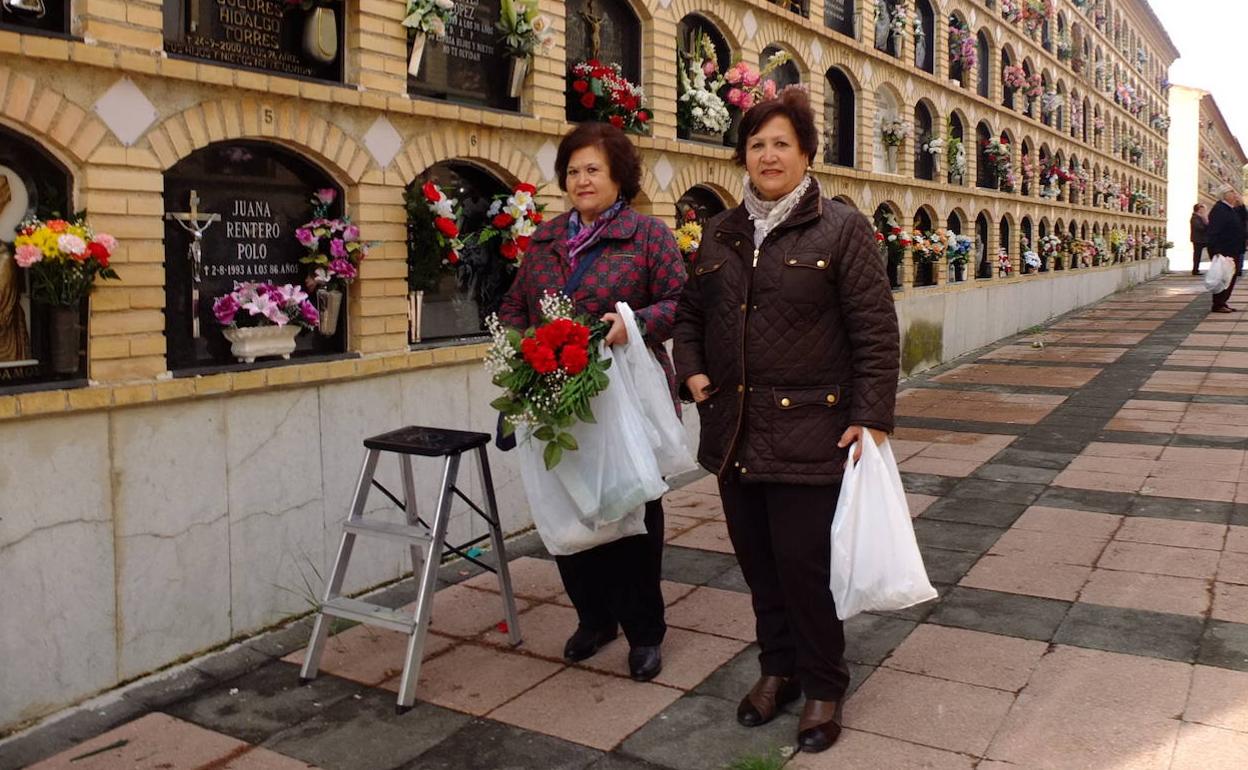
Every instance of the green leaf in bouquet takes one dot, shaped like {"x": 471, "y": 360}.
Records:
{"x": 508, "y": 428}
{"x": 552, "y": 455}
{"x": 544, "y": 433}
{"x": 502, "y": 404}
{"x": 584, "y": 413}
{"x": 567, "y": 441}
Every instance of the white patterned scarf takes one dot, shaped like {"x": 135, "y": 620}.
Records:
{"x": 768, "y": 215}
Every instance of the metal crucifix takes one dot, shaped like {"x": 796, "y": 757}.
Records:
{"x": 194, "y": 223}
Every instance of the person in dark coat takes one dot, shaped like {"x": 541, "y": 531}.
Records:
{"x": 1227, "y": 237}
{"x": 787, "y": 339}
{"x": 636, "y": 260}
{"x": 1199, "y": 223}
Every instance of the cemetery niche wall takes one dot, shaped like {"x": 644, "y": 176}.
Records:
{"x": 469, "y": 65}
{"x": 247, "y": 199}
{"x": 45, "y": 16}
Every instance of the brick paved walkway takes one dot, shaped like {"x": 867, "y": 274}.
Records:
{"x": 1082, "y": 502}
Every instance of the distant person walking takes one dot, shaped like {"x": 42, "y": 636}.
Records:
{"x": 1200, "y": 222}
{"x": 1227, "y": 237}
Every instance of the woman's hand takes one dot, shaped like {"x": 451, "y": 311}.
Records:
{"x": 699, "y": 386}
{"x": 854, "y": 433}
{"x": 618, "y": 335}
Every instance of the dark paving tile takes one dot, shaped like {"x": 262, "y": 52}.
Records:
{"x": 919, "y": 612}
{"x": 1134, "y": 437}
{"x": 169, "y": 688}
{"x": 1050, "y": 460}
{"x": 870, "y": 638}
{"x": 945, "y": 566}
{"x": 1135, "y": 632}
{"x": 80, "y": 725}
{"x": 699, "y": 732}
{"x": 1218, "y": 442}
{"x": 231, "y": 663}
{"x": 927, "y": 484}
{"x": 484, "y": 744}
{"x": 1239, "y": 515}
{"x": 621, "y": 762}
{"x": 1184, "y": 510}
{"x": 732, "y": 580}
{"x": 734, "y": 679}
{"x": 858, "y": 674}
{"x": 268, "y": 700}
{"x": 695, "y": 566}
{"x": 962, "y": 426}
{"x": 365, "y": 731}
{"x": 989, "y": 513}
{"x": 955, "y": 536}
{"x": 994, "y": 612}
{"x": 1015, "y": 473}
{"x": 1224, "y": 645}
{"x": 1086, "y": 500}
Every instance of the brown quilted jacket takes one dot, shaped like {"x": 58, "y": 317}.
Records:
{"x": 799, "y": 339}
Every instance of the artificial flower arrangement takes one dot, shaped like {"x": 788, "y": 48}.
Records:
{"x": 959, "y": 250}
{"x": 1035, "y": 86}
{"x": 895, "y": 131}
{"x": 898, "y": 16}
{"x": 1051, "y": 101}
{"x": 749, "y": 86}
{"x": 962, "y": 50}
{"x": 253, "y": 304}
{"x": 1117, "y": 244}
{"x": 689, "y": 237}
{"x": 935, "y": 146}
{"x": 956, "y": 156}
{"x": 1034, "y": 14}
{"x": 1005, "y": 265}
{"x": 433, "y": 242}
{"x": 549, "y": 374}
{"x": 430, "y": 17}
{"x": 1013, "y": 77}
{"x": 513, "y": 218}
{"x": 523, "y": 29}
{"x": 997, "y": 153}
{"x": 1052, "y": 179}
{"x": 334, "y": 246}
{"x": 1031, "y": 260}
{"x": 1049, "y": 247}
{"x": 1012, "y": 10}
{"x": 930, "y": 246}
{"x": 601, "y": 92}
{"x": 64, "y": 257}
{"x": 892, "y": 239}
{"x": 698, "y": 107}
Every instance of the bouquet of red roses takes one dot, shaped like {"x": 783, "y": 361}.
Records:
{"x": 549, "y": 374}
{"x": 601, "y": 92}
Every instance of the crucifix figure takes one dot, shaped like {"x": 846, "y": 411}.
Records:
{"x": 594, "y": 23}
{"x": 194, "y": 223}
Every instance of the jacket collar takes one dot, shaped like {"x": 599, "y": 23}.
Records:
{"x": 622, "y": 228}
{"x": 810, "y": 207}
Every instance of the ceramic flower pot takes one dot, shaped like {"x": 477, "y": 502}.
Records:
{"x": 418, "y": 54}
{"x": 518, "y": 68}
{"x": 320, "y": 35}
{"x": 329, "y": 305}
{"x": 65, "y": 340}
{"x": 257, "y": 341}
{"x": 890, "y": 158}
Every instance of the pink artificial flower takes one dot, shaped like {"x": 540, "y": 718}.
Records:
{"x": 769, "y": 89}
{"x": 225, "y": 308}
{"x": 27, "y": 255}
{"x": 107, "y": 241}
{"x": 326, "y": 195}
{"x": 290, "y": 294}
{"x": 343, "y": 269}
{"x": 747, "y": 100}
{"x": 750, "y": 78}
{"x": 322, "y": 276}
{"x": 351, "y": 233}
{"x": 309, "y": 313}
{"x": 733, "y": 75}
{"x": 71, "y": 244}
{"x": 708, "y": 68}
{"x": 337, "y": 248}
{"x": 305, "y": 237}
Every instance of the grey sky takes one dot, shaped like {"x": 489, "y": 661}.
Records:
{"x": 1210, "y": 37}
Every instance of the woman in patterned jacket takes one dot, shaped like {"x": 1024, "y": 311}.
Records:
{"x": 634, "y": 260}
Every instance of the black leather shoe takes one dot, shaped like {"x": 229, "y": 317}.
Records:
{"x": 584, "y": 642}
{"x": 644, "y": 663}
{"x": 819, "y": 726}
{"x": 765, "y": 699}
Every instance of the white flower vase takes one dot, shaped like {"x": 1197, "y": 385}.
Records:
{"x": 320, "y": 35}
{"x": 258, "y": 341}
{"x": 415, "y": 304}
{"x": 519, "y": 67}
{"x": 890, "y": 158}
{"x": 329, "y": 306}
{"x": 417, "y": 55}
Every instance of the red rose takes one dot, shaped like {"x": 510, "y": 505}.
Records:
{"x": 536, "y": 216}
{"x": 587, "y": 101}
{"x": 879, "y": 236}
{"x": 617, "y": 121}
{"x": 578, "y": 335}
{"x": 525, "y": 187}
{"x": 504, "y": 220}
{"x": 691, "y": 216}
{"x": 643, "y": 116}
{"x": 446, "y": 226}
{"x": 522, "y": 242}
{"x": 580, "y": 86}
{"x": 99, "y": 252}
{"x": 509, "y": 250}
{"x": 574, "y": 358}
{"x": 453, "y": 257}
{"x": 431, "y": 192}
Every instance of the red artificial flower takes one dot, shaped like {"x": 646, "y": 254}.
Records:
{"x": 504, "y": 220}
{"x": 574, "y": 359}
{"x": 587, "y": 101}
{"x": 99, "y": 252}
{"x": 446, "y": 226}
{"x": 627, "y": 101}
{"x": 539, "y": 356}
{"x": 58, "y": 225}
{"x": 509, "y": 250}
{"x": 594, "y": 64}
{"x": 617, "y": 121}
{"x": 896, "y": 231}
{"x": 453, "y": 257}
{"x": 879, "y": 237}
{"x": 691, "y": 215}
{"x": 555, "y": 333}
{"x": 522, "y": 242}
{"x": 643, "y": 116}
{"x": 536, "y": 217}
{"x": 431, "y": 192}
{"x": 580, "y": 86}
{"x": 525, "y": 187}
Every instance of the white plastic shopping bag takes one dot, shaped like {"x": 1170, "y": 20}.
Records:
{"x": 1221, "y": 271}
{"x": 645, "y": 377}
{"x": 876, "y": 564}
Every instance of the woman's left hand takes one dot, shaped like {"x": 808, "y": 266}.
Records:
{"x": 618, "y": 334}
{"x": 854, "y": 433}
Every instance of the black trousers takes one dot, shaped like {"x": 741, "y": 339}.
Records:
{"x": 1198, "y": 249}
{"x": 1221, "y": 298}
{"x": 781, "y": 533}
{"x": 618, "y": 582}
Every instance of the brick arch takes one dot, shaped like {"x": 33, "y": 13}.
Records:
{"x": 725, "y": 19}
{"x": 773, "y": 32}
{"x": 290, "y": 125}
{"x": 68, "y": 134}
{"x": 492, "y": 150}
{"x": 723, "y": 178}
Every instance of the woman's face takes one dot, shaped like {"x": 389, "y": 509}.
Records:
{"x": 589, "y": 184}
{"x": 773, "y": 159}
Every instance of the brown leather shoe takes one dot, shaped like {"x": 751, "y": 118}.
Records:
{"x": 819, "y": 726}
{"x": 765, "y": 699}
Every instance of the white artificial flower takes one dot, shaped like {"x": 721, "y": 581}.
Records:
{"x": 524, "y": 228}
{"x": 521, "y": 200}
{"x": 446, "y": 5}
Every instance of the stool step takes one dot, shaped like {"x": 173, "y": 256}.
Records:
{"x": 417, "y": 535}
{"x": 369, "y": 614}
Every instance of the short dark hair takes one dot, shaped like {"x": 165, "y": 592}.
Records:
{"x": 1197, "y": 207}
{"x": 622, "y": 157}
{"x": 792, "y": 103}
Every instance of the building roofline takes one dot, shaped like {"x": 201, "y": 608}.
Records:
{"x": 1161, "y": 28}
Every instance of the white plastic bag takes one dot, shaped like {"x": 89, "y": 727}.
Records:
{"x": 1221, "y": 271}
{"x": 876, "y": 564}
{"x": 648, "y": 382}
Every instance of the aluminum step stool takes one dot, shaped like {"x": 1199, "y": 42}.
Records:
{"x": 426, "y": 541}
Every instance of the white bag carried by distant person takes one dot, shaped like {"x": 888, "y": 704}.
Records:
{"x": 876, "y": 564}
{"x": 1221, "y": 271}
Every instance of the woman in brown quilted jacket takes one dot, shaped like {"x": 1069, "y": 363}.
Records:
{"x": 786, "y": 338}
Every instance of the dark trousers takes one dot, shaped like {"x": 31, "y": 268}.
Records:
{"x": 1221, "y": 298}
{"x": 1197, "y": 250}
{"x": 618, "y": 582}
{"x": 781, "y": 533}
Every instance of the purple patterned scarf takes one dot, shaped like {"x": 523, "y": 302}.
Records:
{"x": 581, "y": 238}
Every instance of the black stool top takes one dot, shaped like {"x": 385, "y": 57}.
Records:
{"x": 429, "y": 442}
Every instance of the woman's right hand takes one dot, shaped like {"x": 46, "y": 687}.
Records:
{"x": 699, "y": 386}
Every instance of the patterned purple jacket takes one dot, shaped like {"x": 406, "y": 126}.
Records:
{"x": 640, "y": 265}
